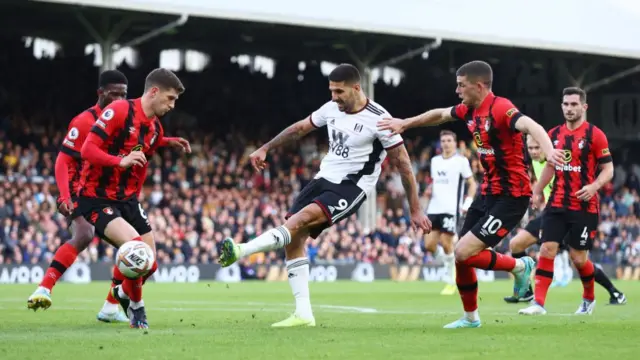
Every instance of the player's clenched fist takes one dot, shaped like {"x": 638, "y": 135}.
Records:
{"x": 257, "y": 159}
{"x": 135, "y": 158}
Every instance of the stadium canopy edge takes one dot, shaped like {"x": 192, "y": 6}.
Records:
{"x": 592, "y": 27}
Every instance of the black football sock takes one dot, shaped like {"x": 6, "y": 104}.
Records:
{"x": 602, "y": 279}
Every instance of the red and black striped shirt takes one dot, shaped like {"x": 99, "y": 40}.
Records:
{"x": 585, "y": 148}
{"x": 500, "y": 145}
{"x": 122, "y": 128}
{"x": 77, "y": 133}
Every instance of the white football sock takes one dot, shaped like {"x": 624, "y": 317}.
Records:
{"x": 449, "y": 261}
{"x": 275, "y": 238}
{"x": 136, "y": 304}
{"x": 472, "y": 315}
{"x": 109, "y": 308}
{"x": 122, "y": 294}
{"x": 438, "y": 255}
{"x": 519, "y": 266}
{"x": 298, "y": 270}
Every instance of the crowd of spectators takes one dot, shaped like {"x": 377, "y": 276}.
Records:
{"x": 195, "y": 201}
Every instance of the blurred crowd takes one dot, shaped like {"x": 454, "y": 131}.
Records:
{"x": 194, "y": 201}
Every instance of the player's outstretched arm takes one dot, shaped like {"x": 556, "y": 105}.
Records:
{"x": 527, "y": 125}
{"x": 292, "y": 133}
{"x": 399, "y": 157}
{"x": 430, "y": 118}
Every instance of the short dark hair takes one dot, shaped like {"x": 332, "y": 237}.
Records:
{"x": 477, "y": 71}
{"x": 345, "y": 72}
{"x": 574, "y": 90}
{"x": 164, "y": 79}
{"x": 112, "y": 77}
{"x": 449, "y": 133}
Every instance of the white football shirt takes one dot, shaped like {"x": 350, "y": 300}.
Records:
{"x": 356, "y": 147}
{"x": 447, "y": 186}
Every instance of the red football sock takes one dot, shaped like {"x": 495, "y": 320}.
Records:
{"x": 117, "y": 279}
{"x": 63, "y": 258}
{"x": 587, "y": 275}
{"x": 150, "y": 273}
{"x": 490, "y": 260}
{"x": 467, "y": 286}
{"x": 544, "y": 277}
{"x": 133, "y": 289}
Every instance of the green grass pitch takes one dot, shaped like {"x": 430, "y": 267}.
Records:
{"x": 380, "y": 320}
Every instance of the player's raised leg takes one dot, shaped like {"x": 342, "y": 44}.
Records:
{"x": 64, "y": 257}
{"x": 471, "y": 252}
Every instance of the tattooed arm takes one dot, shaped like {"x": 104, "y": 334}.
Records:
{"x": 399, "y": 157}
{"x": 292, "y": 133}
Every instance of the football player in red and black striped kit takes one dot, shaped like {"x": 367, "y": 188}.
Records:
{"x": 497, "y": 127}
{"x": 112, "y": 86}
{"x": 115, "y": 153}
{"x": 572, "y": 210}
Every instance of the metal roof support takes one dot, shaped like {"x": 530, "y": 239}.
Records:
{"x": 608, "y": 80}
{"x": 112, "y": 34}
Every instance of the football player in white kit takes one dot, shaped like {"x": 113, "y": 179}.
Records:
{"x": 448, "y": 172}
{"x": 348, "y": 172}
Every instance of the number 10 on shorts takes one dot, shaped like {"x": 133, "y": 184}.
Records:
{"x": 493, "y": 226}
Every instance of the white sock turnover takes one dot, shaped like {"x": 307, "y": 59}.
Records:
{"x": 272, "y": 239}
{"x": 298, "y": 270}
{"x": 109, "y": 308}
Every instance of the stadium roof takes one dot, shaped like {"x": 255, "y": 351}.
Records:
{"x": 595, "y": 27}
{"x": 60, "y": 22}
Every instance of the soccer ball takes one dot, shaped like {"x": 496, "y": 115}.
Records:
{"x": 134, "y": 259}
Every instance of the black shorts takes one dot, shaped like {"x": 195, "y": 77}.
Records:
{"x": 577, "y": 229}
{"x": 534, "y": 226}
{"x": 337, "y": 201}
{"x": 490, "y": 218}
{"x": 99, "y": 212}
{"x": 445, "y": 223}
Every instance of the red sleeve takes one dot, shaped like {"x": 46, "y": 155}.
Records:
{"x": 506, "y": 114}
{"x": 63, "y": 163}
{"x": 600, "y": 148}
{"x": 79, "y": 129}
{"x": 458, "y": 112}
{"x": 110, "y": 121}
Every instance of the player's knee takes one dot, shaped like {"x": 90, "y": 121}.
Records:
{"x": 521, "y": 242}
{"x": 549, "y": 250}
{"x": 579, "y": 258}
{"x": 83, "y": 233}
{"x": 309, "y": 216}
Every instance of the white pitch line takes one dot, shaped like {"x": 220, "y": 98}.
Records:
{"x": 279, "y": 307}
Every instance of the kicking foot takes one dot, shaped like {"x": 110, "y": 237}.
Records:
{"x": 40, "y": 299}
